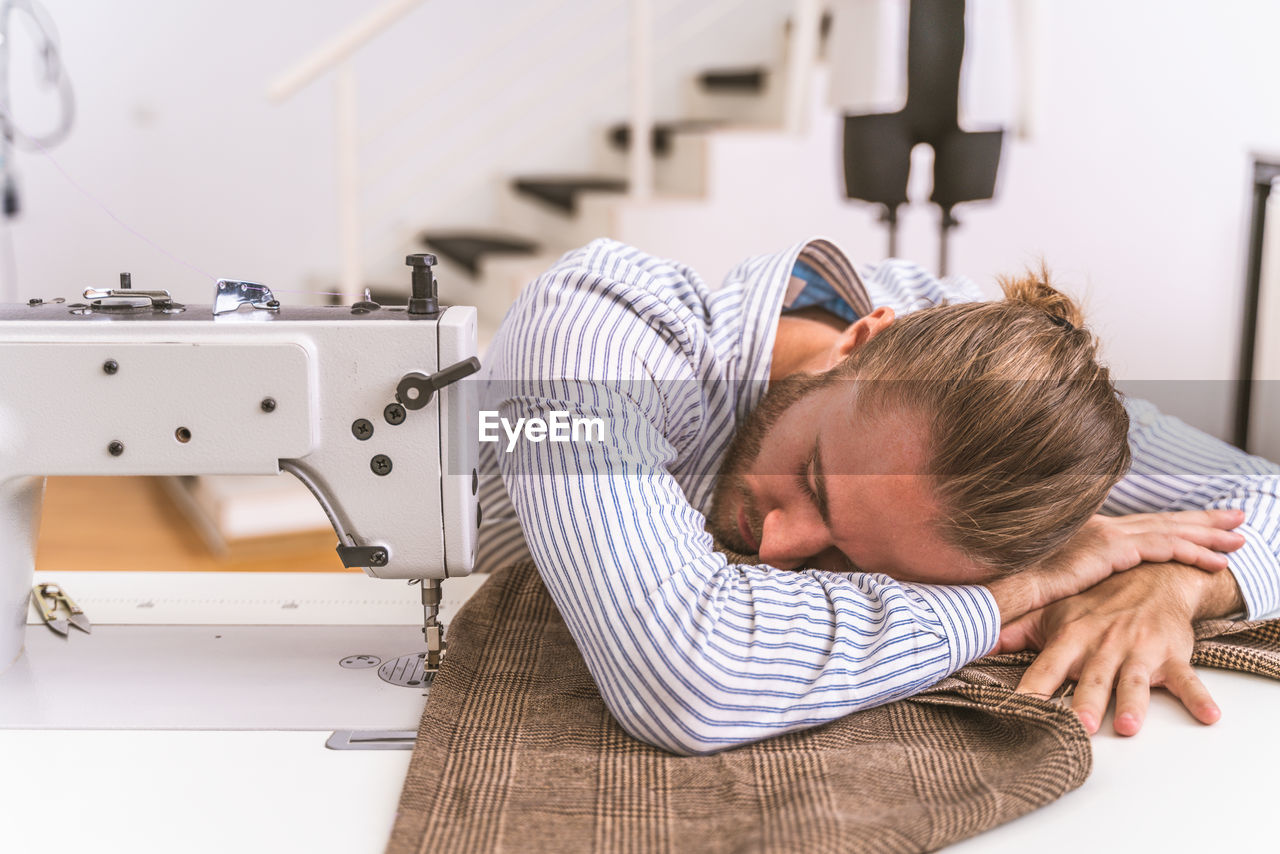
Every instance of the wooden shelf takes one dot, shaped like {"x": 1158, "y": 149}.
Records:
{"x": 131, "y": 524}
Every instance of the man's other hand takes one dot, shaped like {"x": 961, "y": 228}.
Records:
{"x": 1108, "y": 544}
{"x": 1132, "y": 632}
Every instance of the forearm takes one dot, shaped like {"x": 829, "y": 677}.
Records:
{"x": 1209, "y": 595}
{"x": 1014, "y": 597}
{"x": 1018, "y": 595}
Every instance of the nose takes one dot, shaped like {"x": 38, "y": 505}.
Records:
{"x": 787, "y": 541}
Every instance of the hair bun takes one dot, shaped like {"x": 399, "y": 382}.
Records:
{"x": 1035, "y": 289}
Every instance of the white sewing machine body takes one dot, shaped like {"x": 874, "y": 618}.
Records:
{"x": 154, "y": 388}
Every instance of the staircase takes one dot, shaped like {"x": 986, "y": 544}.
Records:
{"x": 729, "y": 132}
{"x": 729, "y": 147}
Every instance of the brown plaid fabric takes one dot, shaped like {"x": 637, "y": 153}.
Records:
{"x": 516, "y": 752}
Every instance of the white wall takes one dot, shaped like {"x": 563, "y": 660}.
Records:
{"x": 1136, "y": 188}
{"x": 175, "y": 135}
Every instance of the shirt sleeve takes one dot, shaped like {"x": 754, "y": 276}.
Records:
{"x": 691, "y": 652}
{"x": 1176, "y": 467}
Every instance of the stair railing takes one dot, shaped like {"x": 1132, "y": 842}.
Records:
{"x": 640, "y": 161}
{"x": 337, "y": 53}
{"x": 802, "y": 54}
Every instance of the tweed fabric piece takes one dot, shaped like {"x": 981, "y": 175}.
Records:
{"x": 516, "y": 752}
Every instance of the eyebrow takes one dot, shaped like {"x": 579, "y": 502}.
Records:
{"x": 820, "y": 482}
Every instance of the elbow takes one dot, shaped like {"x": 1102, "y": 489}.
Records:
{"x": 681, "y": 730}
{"x": 684, "y": 740}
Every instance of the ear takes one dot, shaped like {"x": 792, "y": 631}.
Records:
{"x": 861, "y": 331}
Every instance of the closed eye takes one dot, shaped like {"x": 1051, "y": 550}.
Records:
{"x": 804, "y": 475}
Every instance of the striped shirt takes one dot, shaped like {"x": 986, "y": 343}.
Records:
{"x": 694, "y": 653}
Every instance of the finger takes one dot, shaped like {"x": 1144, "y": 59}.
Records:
{"x": 1022, "y": 633}
{"x": 1163, "y": 546}
{"x": 1199, "y": 556}
{"x": 1133, "y": 695}
{"x": 1225, "y": 519}
{"x": 1170, "y": 525}
{"x": 1207, "y": 536}
{"x": 1051, "y": 668}
{"x": 1184, "y": 684}
{"x": 1093, "y": 690}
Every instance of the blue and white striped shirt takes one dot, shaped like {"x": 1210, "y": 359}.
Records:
{"x": 691, "y": 652}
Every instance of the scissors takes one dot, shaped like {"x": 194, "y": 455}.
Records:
{"x": 51, "y": 601}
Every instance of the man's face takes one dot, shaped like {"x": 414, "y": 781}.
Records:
{"x": 812, "y": 480}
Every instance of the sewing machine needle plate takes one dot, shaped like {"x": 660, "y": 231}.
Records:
{"x": 407, "y": 671}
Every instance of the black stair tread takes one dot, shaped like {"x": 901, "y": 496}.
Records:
{"x": 620, "y": 134}
{"x": 467, "y": 248}
{"x": 734, "y": 80}
{"x": 561, "y": 192}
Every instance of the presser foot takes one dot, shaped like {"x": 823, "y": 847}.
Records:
{"x": 432, "y": 631}
{"x": 436, "y": 646}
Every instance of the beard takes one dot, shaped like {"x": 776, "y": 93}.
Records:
{"x": 730, "y": 493}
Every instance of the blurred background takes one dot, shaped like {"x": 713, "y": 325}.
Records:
{"x": 310, "y": 147}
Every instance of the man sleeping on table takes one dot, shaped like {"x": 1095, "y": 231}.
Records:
{"x": 925, "y": 478}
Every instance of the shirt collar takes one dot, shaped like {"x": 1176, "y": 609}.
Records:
{"x": 767, "y": 290}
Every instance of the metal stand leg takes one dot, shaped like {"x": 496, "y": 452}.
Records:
{"x": 1265, "y": 175}
{"x": 944, "y": 230}
{"x": 890, "y": 217}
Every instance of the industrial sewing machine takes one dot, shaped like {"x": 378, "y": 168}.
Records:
{"x": 361, "y": 403}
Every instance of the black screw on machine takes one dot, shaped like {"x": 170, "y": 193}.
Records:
{"x": 380, "y": 465}
{"x": 394, "y": 413}
{"x": 268, "y": 404}
{"x": 115, "y": 448}
{"x": 110, "y": 366}
{"x": 362, "y": 428}
{"x": 424, "y": 298}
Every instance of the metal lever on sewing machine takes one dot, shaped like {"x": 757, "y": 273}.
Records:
{"x": 351, "y": 554}
{"x": 415, "y": 390}
{"x": 124, "y": 297}
{"x": 229, "y": 295}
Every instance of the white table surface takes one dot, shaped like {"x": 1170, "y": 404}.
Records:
{"x": 1178, "y": 786}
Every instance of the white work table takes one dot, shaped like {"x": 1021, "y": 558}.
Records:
{"x": 228, "y": 786}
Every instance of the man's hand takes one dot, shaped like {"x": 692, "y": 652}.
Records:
{"x": 1133, "y": 631}
{"x": 1108, "y": 544}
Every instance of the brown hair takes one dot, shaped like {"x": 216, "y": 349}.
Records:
{"x": 1027, "y": 433}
